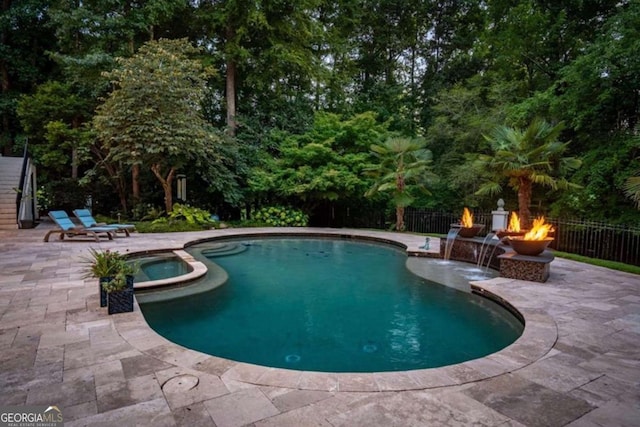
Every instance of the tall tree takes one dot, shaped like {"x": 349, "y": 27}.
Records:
{"x": 52, "y": 118}
{"x": 323, "y": 164}
{"x": 267, "y": 51}
{"x": 24, "y": 38}
{"x": 153, "y": 116}
{"x": 526, "y": 157}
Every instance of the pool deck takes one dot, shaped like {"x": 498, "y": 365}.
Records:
{"x": 577, "y": 363}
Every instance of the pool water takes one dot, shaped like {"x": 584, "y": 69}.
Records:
{"x": 332, "y": 306}
{"x": 159, "y": 267}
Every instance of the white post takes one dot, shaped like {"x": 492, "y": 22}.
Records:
{"x": 181, "y": 184}
{"x": 499, "y": 221}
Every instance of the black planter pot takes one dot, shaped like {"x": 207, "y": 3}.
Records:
{"x": 103, "y": 293}
{"x": 121, "y": 301}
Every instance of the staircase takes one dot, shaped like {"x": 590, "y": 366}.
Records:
{"x": 10, "y": 169}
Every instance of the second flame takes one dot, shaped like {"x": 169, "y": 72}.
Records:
{"x": 539, "y": 230}
{"x": 514, "y": 222}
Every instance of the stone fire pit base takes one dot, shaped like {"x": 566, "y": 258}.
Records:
{"x": 524, "y": 267}
{"x": 501, "y": 257}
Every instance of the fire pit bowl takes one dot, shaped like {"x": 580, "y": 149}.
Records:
{"x": 507, "y": 233}
{"x": 468, "y": 232}
{"x": 529, "y": 247}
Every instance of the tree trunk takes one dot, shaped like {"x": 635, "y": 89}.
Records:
{"x": 231, "y": 87}
{"x": 231, "y": 98}
{"x": 114, "y": 174}
{"x": 135, "y": 183}
{"x": 166, "y": 185}
{"x": 75, "y": 124}
{"x": 400, "y": 186}
{"x": 74, "y": 163}
{"x": 524, "y": 200}
{"x": 399, "y": 218}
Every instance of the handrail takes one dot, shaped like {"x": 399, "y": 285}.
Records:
{"x": 23, "y": 173}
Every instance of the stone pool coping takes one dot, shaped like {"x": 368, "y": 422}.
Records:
{"x": 539, "y": 335}
{"x": 198, "y": 269}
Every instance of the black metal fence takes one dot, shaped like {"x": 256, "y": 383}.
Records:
{"x": 597, "y": 240}
{"x": 589, "y": 238}
{"x": 439, "y": 222}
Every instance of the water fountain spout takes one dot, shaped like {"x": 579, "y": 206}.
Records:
{"x": 484, "y": 248}
{"x": 502, "y": 240}
{"x": 451, "y": 238}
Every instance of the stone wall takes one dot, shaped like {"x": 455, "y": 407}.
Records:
{"x": 500, "y": 257}
{"x": 469, "y": 250}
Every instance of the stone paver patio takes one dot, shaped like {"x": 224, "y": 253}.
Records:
{"x": 577, "y": 363}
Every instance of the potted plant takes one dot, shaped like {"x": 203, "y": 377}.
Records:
{"x": 111, "y": 270}
{"x": 120, "y": 291}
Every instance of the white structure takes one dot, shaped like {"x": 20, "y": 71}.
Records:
{"x": 181, "y": 187}
{"x": 499, "y": 221}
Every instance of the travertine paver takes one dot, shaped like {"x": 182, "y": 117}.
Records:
{"x": 577, "y": 363}
{"x": 240, "y": 408}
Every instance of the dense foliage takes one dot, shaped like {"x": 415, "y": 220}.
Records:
{"x": 116, "y": 97}
{"x": 280, "y": 216}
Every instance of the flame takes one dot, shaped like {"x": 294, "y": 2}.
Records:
{"x": 467, "y": 219}
{"x": 539, "y": 230}
{"x": 514, "y": 222}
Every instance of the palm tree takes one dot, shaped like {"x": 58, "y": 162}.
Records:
{"x": 526, "y": 157}
{"x": 632, "y": 189}
{"x": 403, "y": 164}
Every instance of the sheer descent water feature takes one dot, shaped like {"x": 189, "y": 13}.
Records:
{"x": 507, "y": 262}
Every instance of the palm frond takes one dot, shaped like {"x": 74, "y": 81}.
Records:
{"x": 489, "y": 189}
{"x": 403, "y": 199}
{"x": 544, "y": 179}
{"x": 632, "y": 189}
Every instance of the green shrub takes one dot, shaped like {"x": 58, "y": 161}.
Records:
{"x": 164, "y": 225}
{"x": 279, "y": 216}
{"x": 191, "y": 215}
{"x": 146, "y": 212}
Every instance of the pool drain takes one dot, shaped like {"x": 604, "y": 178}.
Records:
{"x": 180, "y": 383}
{"x": 369, "y": 348}
{"x": 292, "y": 358}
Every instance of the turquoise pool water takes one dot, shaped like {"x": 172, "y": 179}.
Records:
{"x": 332, "y": 306}
{"x": 159, "y": 267}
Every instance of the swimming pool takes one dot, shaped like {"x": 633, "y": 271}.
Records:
{"x": 333, "y": 306}
{"x": 158, "y": 267}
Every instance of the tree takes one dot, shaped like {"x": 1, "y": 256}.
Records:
{"x": 323, "y": 164}
{"x": 52, "y": 117}
{"x": 24, "y": 36}
{"x": 526, "y": 157}
{"x": 267, "y": 48}
{"x": 91, "y": 33}
{"x": 153, "y": 116}
{"x": 599, "y": 92}
{"x": 403, "y": 165}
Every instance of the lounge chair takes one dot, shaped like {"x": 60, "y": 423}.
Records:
{"x": 87, "y": 220}
{"x": 67, "y": 228}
